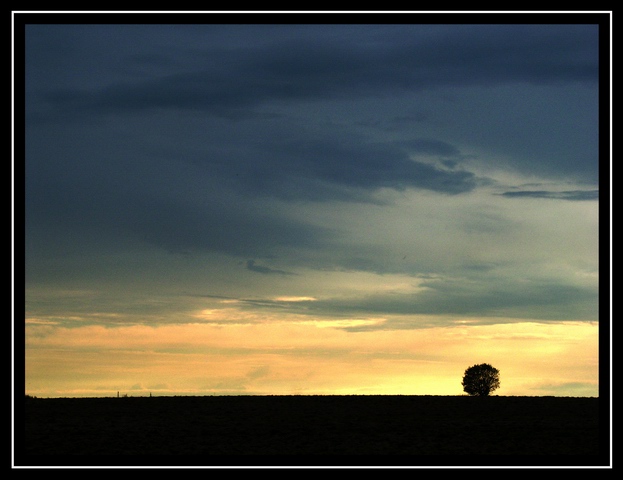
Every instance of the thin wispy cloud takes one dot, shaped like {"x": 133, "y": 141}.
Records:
{"x": 251, "y": 265}
{"x": 577, "y": 195}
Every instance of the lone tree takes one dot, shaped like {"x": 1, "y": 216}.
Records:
{"x": 481, "y": 380}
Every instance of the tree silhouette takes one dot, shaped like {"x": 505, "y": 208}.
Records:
{"x": 481, "y": 380}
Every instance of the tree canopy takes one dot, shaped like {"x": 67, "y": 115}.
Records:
{"x": 480, "y": 380}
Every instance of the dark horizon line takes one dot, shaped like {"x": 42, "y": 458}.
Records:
{"x": 28, "y": 396}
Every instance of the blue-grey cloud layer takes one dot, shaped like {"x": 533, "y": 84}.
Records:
{"x": 302, "y": 63}
{"x": 204, "y": 139}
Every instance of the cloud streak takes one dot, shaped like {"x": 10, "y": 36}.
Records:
{"x": 265, "y": 270}
{"x": 219, "y": 80}
{"x": 573, "y": 195}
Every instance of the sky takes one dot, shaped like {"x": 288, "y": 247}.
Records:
{"x": 249, "y": 208}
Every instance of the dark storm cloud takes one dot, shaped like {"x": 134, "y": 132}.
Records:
{"x": 312, "y": 166}
{"x": 369, "y": 61}
{"x": 82, "y": 73}
{"x": 236, "y": 73}
{"x": 176, "y": 226}
{"x": 104, "y": 188}
{"x": 187, "y": 137}
{"x": 100, "y": 185}
{"x": 432, "y": 147}
{"x": 186, "y": 228}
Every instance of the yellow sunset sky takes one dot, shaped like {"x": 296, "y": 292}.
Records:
{"x": 306, "y": 356}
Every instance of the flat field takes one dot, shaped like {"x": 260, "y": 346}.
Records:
{"x": 367, "y": 430}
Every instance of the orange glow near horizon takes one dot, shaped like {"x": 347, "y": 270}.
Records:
{"x": 307, "y": 358}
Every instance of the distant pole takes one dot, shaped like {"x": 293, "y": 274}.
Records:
{"x": 117, "y": 394}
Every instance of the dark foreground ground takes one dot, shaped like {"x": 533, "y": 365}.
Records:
{"x": 312, "y": 430}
